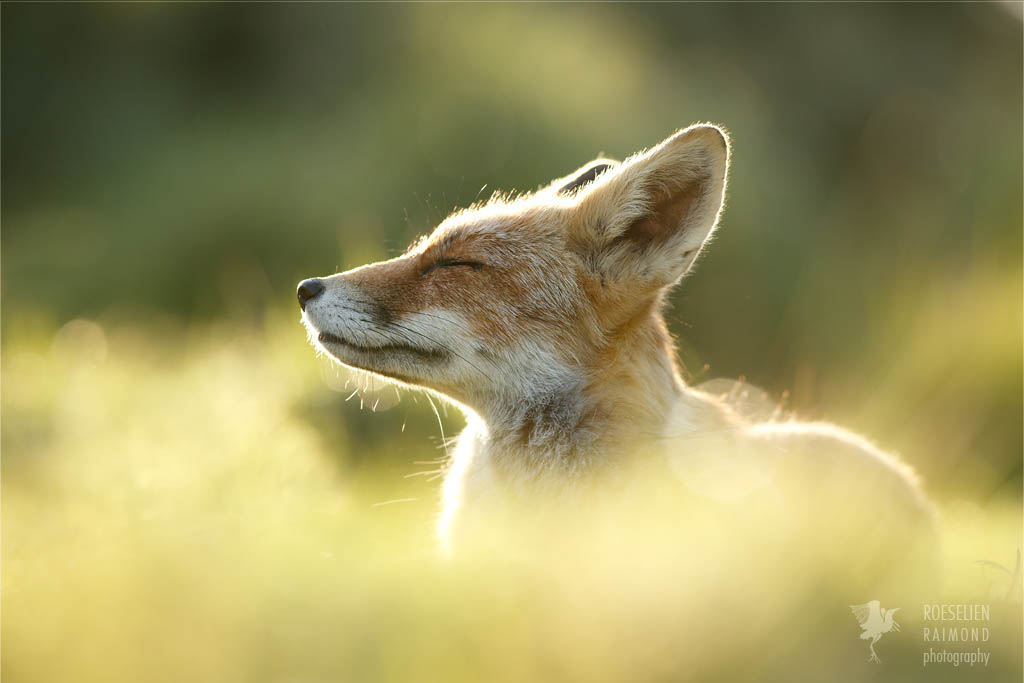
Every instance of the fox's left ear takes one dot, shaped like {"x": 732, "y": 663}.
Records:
{"x": 647, "y": 218}
{"x": 581, "y": 177}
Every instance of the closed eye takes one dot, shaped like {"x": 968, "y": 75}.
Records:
{"x": 475, "y": 265}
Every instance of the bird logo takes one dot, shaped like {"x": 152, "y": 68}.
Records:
{"x": 874, "y": 621}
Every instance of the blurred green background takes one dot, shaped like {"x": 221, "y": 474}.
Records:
{"x": 170, "y": 172}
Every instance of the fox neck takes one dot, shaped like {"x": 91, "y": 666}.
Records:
{"x": 589, "y": 415}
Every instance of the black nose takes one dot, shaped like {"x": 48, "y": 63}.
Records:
{"x": 309, "y": 290}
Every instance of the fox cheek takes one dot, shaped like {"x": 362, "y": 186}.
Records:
{"x": 380, "y": 314}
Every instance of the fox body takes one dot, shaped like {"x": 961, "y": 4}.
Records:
{"x": 540, "y": 316}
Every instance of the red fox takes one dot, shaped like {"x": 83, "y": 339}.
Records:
{"x": 540, "y": 316}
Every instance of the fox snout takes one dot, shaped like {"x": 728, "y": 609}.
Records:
{"x": 361, "y": 319}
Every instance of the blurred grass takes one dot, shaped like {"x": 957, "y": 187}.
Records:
{"x": 170, "y": 514}
{"x": 186, "y": 493}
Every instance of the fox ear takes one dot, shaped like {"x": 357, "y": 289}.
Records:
{"x": 585, "y": 175}
{"x": 647, "y": 219}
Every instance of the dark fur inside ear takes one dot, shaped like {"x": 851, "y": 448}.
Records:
{"x": 668, "y": 211}
{"x": 588, "y": 176}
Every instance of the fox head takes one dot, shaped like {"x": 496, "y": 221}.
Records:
{"x": 521, "y": 298}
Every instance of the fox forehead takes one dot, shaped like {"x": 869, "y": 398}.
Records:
{"x": 504, "y": 229}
